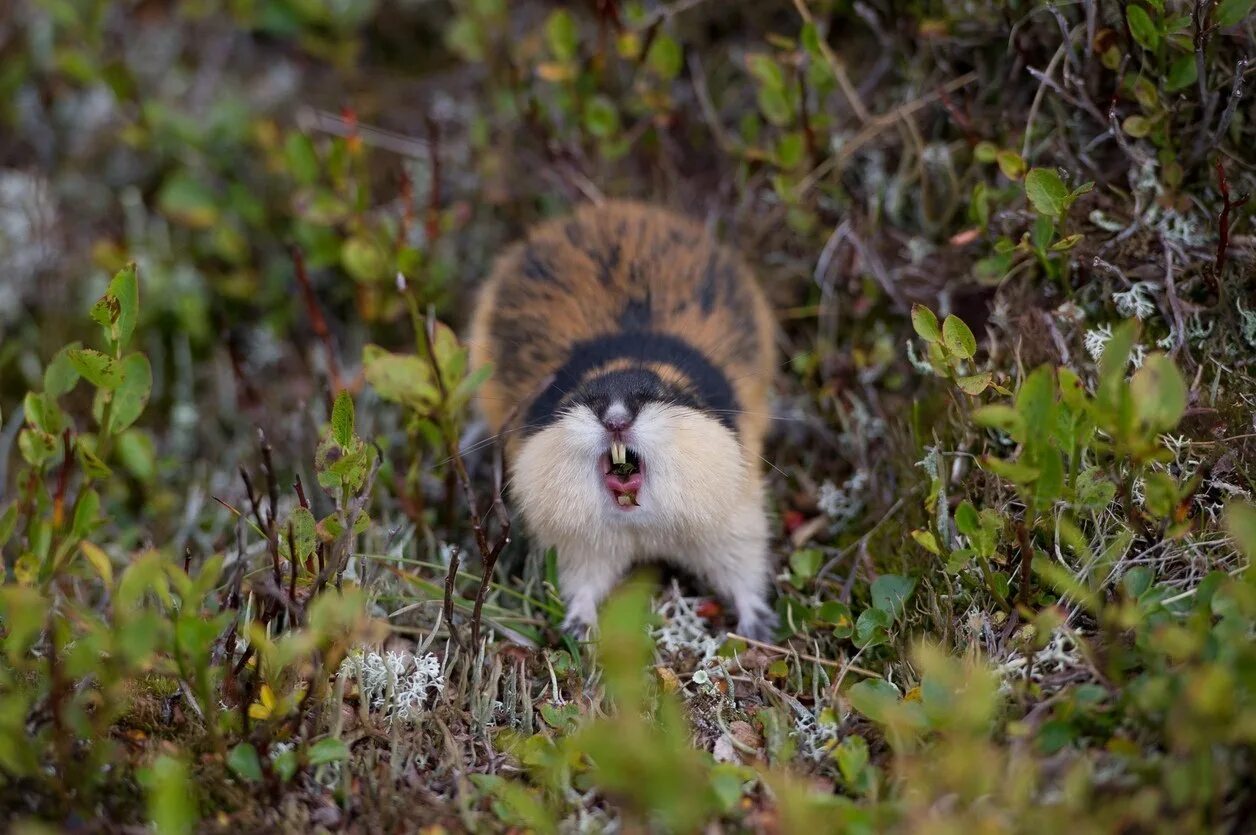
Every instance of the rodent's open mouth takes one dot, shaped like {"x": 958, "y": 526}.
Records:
{"x": 623, "y": 472}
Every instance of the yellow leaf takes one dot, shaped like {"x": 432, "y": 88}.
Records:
{"x": 99, "y": 560}
{"x": 555, "y": 72}
{"x": 265, "y": 706}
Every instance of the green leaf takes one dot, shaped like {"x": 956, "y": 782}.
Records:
{"x": 188, "y": 201}
{"x": 872, "y": 627}
{"x": 1137, "y": 581}
{"x": 766, "y": 71}
{"x": 806, "y": 562}
{"x": 60, "y": 376}
{"x": 131, "y": 396}
{"x": 874, "y": 698}
{"x": 1035, "y": 403}
{"x": 1113, "y": 362}
{"x": 285, "y": 764}
{"x": 561, "y": 35}
{"x": 837, "y": 615}
{"x": 301, "y": 158}
{"x": 1046, "y": 192}
{"x": 1001, "y": 417}
{"x": 99, "y": 561}
{"x": 1159, "y": 393}
{"x": 364, "y": 260}
{"x": 890, "y": 593}
{"x": 99, "y": 369}
{"x": 1067, "y": 243}
{"x": 1182, "y": 72}
{"x": 329, "y": 750}
{"x": 1013, "y": 471}
{"x": 92, "y": 466}
{"x": 1240, "y": 521}
{"x": 926, "y": 540}
{"x": 342, "y": 419}
{"x": 8, "y": 521}
{"x": 1142, "y": 27}
{"x": 1162, "y": 492}
{"x": 1136, "y": 126}
{"x": 1094, "y": 491}
{"x": 42, "y": 413}
{"x": 1011, "y": 164}
{"x": 36, "y": 446}
{"x": 665, "y": 57}
{"x": 775, "y": 105}
{"x": 958, "y": 338}
{"x": 118, "y": 309}
{"x": 304, "y": 537}
{"x": 852, "y": 761}
{"x": 601, "y": 119}
{"x": 1231, "y": 12}
{"x": 86, "y": 512}
{"x": 789, "y": 150}
{"x": 925, "y": 323}
{"x": 244, "y": 763}
{"x": 1049, "y": 485}
{"x": 400, "y": 378}
{"x": 136, "y": 452}
{"x": 975, "y": 384}
{"x": 967, "y": 521}
{"x": 171, "y": 797}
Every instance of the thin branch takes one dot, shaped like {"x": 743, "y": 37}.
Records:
{"x": 315, "y": 312}
{"x": 837, "y": 67}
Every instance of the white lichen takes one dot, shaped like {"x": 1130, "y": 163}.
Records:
{"x": 397, "y": 685}
{"x": 1247, "y": 323}
{"x": 683, "y": 630}
{"x": 1136, "y": 301}
{"x": 1096, "y": 340}
{"x": 844, "y": 504}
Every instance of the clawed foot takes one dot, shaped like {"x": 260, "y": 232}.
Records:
{"x": 758, "y": 625}
{"x": 578, "y": 628}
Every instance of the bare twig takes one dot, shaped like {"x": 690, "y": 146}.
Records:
{"x": 1200, "y": 11}
{"x": 837, "y": 67}
{"x": 455, "y": 555}
{"x": 1236, "y": 95}
{"x": 489, "y": 552}
{"x": 1175, "y": 304}
{"x": 63, "y": 480}
{"x": 663, "y": 13}
{"x": 1037, "y": 102}
{"x": 875, "y": 127}
{"x": 815, "y": 659}
{"x": 432, "y": 220}
{"x": 1223, "y": 219}
{"x": 709, "y": 113}
{"x": 315, "y": 312}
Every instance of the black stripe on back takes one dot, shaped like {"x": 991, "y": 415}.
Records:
{"x": 712, "y": 388}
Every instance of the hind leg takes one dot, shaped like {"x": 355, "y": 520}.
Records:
{"x": 738, "y": 567}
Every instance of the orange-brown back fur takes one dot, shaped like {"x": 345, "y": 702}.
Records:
{"x": 610, "y": 268}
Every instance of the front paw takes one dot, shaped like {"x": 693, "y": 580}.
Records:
{"x": 759, "y": 625}
{"x": 577, "y": 628}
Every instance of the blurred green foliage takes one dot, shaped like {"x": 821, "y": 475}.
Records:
{"x": 1014, "y": 582}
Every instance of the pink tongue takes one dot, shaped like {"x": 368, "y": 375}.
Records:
{"x": 618, "y": 485}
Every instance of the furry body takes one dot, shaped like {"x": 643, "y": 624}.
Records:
{"x": 632, "y": 364}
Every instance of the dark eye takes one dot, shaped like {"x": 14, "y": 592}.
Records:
{"x": 597, "y": 402}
